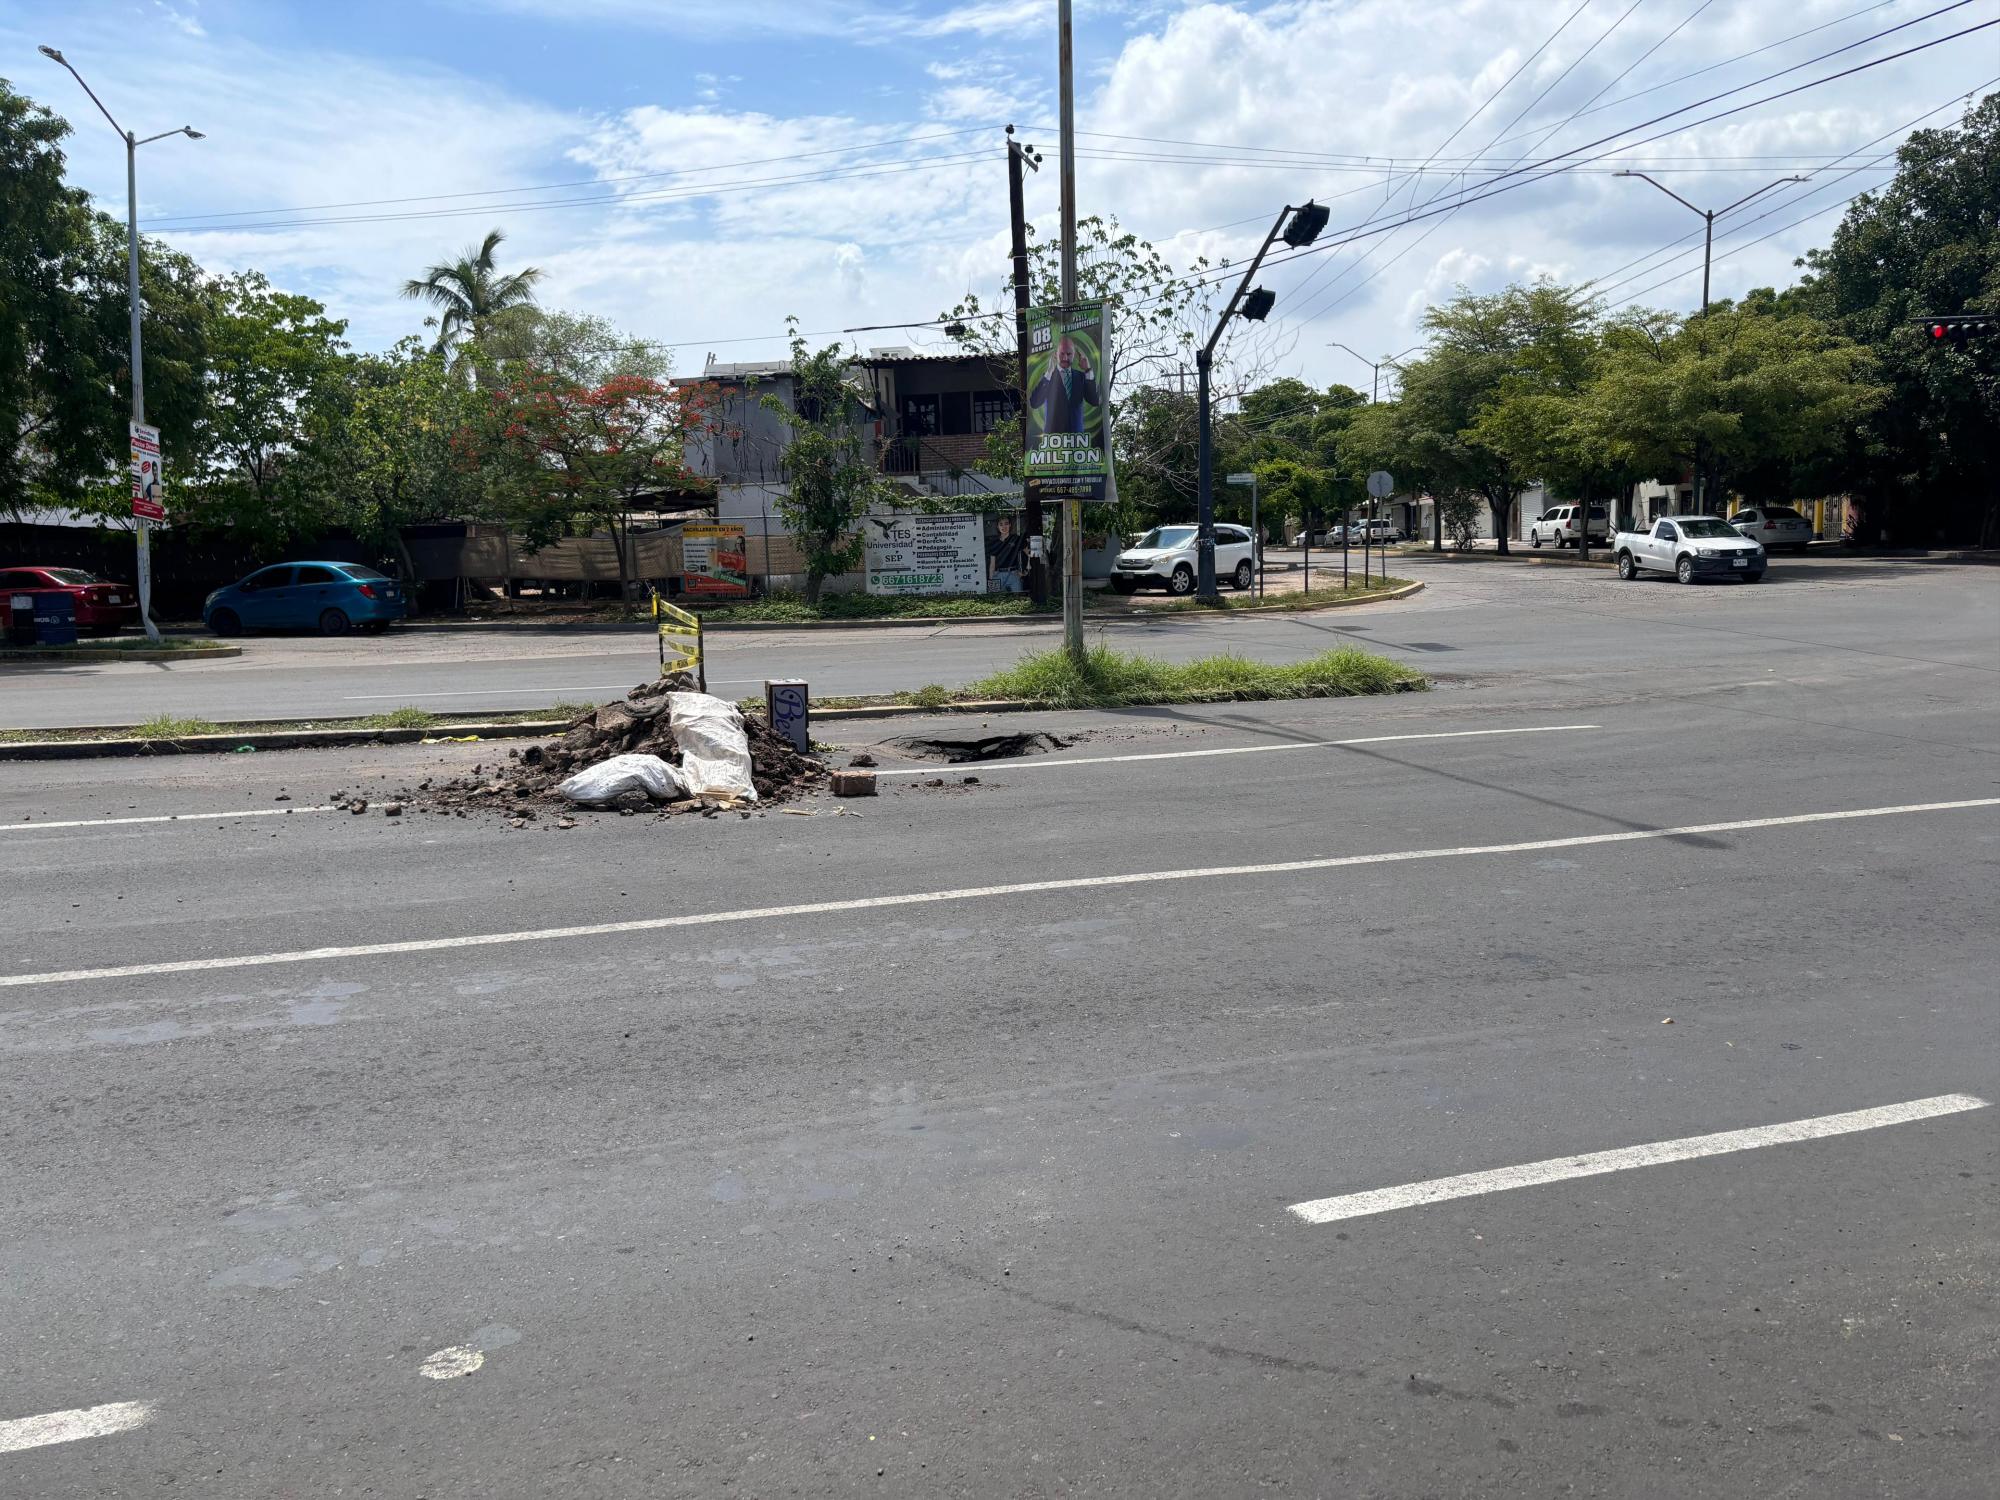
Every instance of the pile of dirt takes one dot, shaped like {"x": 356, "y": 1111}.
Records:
{"x": 523, "y": 787}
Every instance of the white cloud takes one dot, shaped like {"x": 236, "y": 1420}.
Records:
{"x": 901, "y": 228}
{"x": 970, "y": 101}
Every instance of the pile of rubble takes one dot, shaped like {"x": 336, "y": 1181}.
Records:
{"x": 525, "y": 787}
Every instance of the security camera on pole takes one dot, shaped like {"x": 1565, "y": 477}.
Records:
{"x": 148, "y": 484}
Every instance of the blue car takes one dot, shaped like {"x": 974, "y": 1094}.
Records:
{"x": 329, "y": 597}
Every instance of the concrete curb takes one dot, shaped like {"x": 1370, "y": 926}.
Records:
{"x": 287, "y": 739}
{"x": 95, "y": 654}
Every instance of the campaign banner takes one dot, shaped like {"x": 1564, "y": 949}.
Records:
{"x": 714, "y": 562}
{"x": 1068, "y": 440}
{"x": 149, "y": 483}
{"x": 918, "y": 553}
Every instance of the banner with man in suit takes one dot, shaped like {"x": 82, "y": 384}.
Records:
{"x": 1069, "y": 419}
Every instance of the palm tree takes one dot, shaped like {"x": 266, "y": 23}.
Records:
{"x": 468, "y": 293}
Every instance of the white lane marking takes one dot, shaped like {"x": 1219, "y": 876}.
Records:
{"x": 449, "y": 1364}
{"x": 965, "y": 893}
{"x": 601, "y": 687}
{"x": 1012, "y": 764}
{"x": 1596, "y": 1163}
{"x": 200, "y": 817}
{"x": 73, "y": 1425}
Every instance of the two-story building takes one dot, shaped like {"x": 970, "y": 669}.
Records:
{"x": 924, "y": 420}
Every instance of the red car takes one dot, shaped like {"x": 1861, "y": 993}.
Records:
{"x": 102, "y": 608}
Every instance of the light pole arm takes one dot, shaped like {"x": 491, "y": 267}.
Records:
{"x": 1235, "y": 297}
{"x": 55, "y": 56}
{"x": 1668, "y": 191}
{"x": 1758, "y": 194}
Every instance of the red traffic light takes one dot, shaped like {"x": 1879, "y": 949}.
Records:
{"x": 1961, "y": 328}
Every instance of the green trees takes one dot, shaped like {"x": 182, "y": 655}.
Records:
{"x": 467, "y": 295}
{"x": 64, "y": 332}
{"x": 1925, "y": 464}
{"x": 384, "y": 448}
{"x": 829, "y": 481}
{"x": 1746, "y": 396}
{"x": 1530, "y": 385}
{"x": 268, "y": 354}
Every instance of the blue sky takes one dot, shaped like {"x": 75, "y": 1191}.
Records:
{"x": 349, "y": 144}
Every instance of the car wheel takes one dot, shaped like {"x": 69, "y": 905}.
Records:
{"x": 1534, "y": 539}
{"x": 1627, "y": 569}
{"x": 225, "y": 622}
{"x": 1183, "y": 580}
{"x": 1245, "y": 574}
{"x": 1124, "y": 585}
{"x": 1753, "y": 577}
{"x": 1684, "y": 570}
{"x": 333, "y": 622}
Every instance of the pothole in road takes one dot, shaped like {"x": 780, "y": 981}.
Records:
{"x": 962, "y": 751}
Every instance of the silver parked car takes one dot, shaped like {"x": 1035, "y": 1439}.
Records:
{"x": 1774, "y": 526}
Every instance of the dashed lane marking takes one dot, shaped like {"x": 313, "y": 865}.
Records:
{"x": 1597, "y": 1163}
{"x": 1013, "y": 764}
{"x": 194, "y": 817}
{"x": 73, "y": 1425}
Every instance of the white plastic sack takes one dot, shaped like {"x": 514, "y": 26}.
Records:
{"x": 715, "y": 752}
{"x": 611, "y": 779}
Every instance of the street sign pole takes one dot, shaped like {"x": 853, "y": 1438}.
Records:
{"x": 1256, "y": 536}
{"x": 1381, "y": 485}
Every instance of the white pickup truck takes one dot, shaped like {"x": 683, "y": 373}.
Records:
{"x": 1689, "y": 547}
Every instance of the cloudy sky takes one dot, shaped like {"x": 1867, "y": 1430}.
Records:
{"x": 695, "y": 170}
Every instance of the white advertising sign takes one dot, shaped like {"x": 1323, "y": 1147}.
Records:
{"x": 925, "y": 554}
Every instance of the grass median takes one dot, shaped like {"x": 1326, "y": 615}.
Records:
{"x": 1107, "y": 678}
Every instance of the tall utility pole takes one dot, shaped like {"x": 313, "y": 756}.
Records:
{"x": 1072, "y": 533}
{"x": 132, "y": 145}
{"x": 1023, "y": 158}
{"x": 1708, "y": 218}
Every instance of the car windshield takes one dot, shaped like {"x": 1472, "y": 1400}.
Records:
{"x": 72, "y": 576}
{"x": 1707, "y": 526}
{"x": 366, "y": 575}
{"x": 1167, "y": 537}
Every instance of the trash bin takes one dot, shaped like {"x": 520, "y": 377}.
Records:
{"x": 20, "y": 619}
{"x": 55, "y": 619}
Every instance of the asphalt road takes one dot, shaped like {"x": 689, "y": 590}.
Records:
{"x": 1475, "y": 617}
{"x": 953, "y": 1149}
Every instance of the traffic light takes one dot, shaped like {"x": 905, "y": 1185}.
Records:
{"x": 1306, "y": 224}
{"x": 1961, "y": 328}
{"x": 1257, "y": 304}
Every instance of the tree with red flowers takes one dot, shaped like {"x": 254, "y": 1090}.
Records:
{"x": 573, "y": 457}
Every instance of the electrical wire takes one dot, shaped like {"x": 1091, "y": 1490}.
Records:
{"x": 1560, "y": 164}
{"x": 1361, "y": 259}
{"x": 550, "y": 187}
{"x": 1611, "y": 280}
{"x": 1835, "y": 52}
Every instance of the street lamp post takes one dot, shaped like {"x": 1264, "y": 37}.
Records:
{"x": 132, "y": 144}
{"x": 1300, "y": 227}
{"x": 1375, "y": 367}
{"x": 1708, "y": 218}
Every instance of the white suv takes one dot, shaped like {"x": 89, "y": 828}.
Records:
{"x": 1166, "y": 556}
{"x": 1559, "y": 526}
